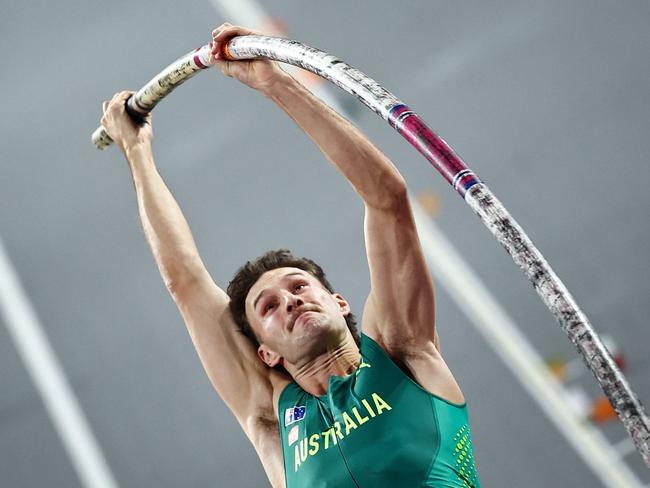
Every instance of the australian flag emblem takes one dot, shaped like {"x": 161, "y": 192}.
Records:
{"x": 293, "y": 415}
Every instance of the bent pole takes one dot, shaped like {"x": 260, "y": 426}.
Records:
{"x": 435, "y": 150}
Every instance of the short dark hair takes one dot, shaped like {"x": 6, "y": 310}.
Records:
{"x": 248, "y": 274}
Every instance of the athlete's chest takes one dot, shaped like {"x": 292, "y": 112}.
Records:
{"x": 366, "y": 431}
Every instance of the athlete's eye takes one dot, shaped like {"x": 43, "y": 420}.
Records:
{"x": 268, "y": 307}
{"x": 300, "y": 286}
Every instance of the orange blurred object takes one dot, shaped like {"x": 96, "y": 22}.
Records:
{"x": 602, "y": 411}
{"x": 557, "y": 366}
{"x": 430, "y": 203}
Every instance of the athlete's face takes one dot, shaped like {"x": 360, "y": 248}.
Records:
{"x": 294, "y": 316}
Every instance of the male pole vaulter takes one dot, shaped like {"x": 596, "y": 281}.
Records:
{"x": 322, "y": 406}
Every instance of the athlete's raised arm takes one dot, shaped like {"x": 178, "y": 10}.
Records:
{"x": 400, "y": 309}
{"x": 399, "y": 312}
{"x": 243, "y": 382}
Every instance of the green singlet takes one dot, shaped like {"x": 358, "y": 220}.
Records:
{"x": 374, "y": 428}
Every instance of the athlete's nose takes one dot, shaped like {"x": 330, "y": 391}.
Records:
{"x": 293, "y": 303}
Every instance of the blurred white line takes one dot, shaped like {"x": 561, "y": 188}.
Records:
{"x": 50, "y": 381}
{"x": 483, "y": 311}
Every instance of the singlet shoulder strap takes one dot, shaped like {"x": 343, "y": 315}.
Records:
{"x": 374, "y": 352}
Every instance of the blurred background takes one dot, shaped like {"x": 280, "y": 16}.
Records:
{"x": 547, "y": 101}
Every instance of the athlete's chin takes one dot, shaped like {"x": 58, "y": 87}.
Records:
{"x": 310, "y": 327}
{"x": 310, "y": 321}
{"x": 312, "y": 332}
{"x": 313, "y": 338}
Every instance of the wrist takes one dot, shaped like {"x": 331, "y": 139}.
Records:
{"x": 278, "y": 84}
{"x": 138, "y": 150}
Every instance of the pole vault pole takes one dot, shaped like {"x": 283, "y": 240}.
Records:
{"x": 435, "y": 150}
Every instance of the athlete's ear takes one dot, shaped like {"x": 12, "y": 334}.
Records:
{"x": 344, "y": 306}
{"x": 268, "y": 356}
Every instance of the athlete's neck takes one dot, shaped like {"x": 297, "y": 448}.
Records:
{"x": 313, "y": 377}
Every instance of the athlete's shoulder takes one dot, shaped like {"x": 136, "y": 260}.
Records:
{"x": 281, "y": 383}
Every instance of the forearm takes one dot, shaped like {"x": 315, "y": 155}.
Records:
{"x": 371, "y": 173}
{"x": 164, "y": 225}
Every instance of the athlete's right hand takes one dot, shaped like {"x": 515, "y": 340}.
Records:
{"x": 260, "y": 74}
{"x": 120, "y": 126}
